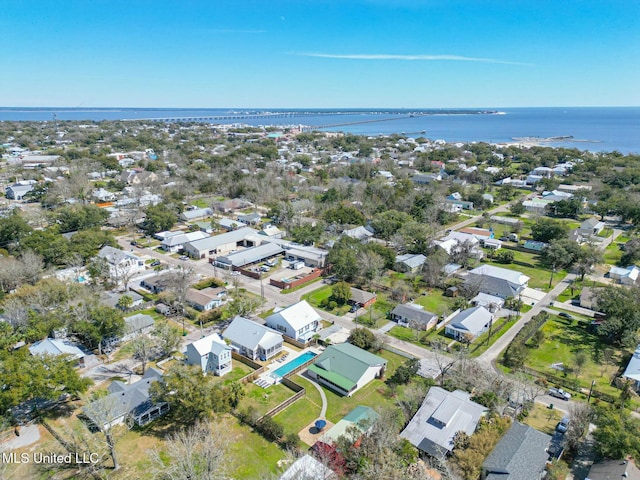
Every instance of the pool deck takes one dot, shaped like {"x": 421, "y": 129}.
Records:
{"x": 267, "y": 378}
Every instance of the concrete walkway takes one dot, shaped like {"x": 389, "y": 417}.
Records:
{"x": 28, "y": 434}
{"x": 323, "y": 410}
{"x": 385, "y": 328}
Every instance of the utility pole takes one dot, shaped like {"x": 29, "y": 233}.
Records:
{"x": 593, "y": 383}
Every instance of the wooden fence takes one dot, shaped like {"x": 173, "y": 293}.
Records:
{"x": 259, "y": 369}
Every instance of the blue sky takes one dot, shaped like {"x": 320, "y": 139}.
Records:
{"x": 330, "y": 53}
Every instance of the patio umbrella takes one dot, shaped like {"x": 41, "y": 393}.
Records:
{"x": 320, "y": 424}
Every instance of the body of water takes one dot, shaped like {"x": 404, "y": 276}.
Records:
{"x": 592, "y": 128}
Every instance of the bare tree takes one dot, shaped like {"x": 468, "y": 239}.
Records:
{"x": 445, "y": 363}
{"x": 194, "y": 453}
{"x": 181, "y": 279}
{"x": 10, "y": 273}
{"x": 15, "y": 311}
{"x": 143, "y": 347}
{"x": 105, "y": 413}
{"x": 32, "y": 266}
{"x": 581, "y": 415}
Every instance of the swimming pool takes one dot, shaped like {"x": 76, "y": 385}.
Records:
{"x": 293, "y": 364}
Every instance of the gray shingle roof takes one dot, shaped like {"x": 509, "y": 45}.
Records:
{"x": 413, "y": 312}
{"x": 520, "y": 455}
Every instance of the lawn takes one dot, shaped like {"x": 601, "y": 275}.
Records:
{"x": 303, "y": 411}
{"x": 320, "y": 295}
{"x": 543, "y": 419}
{"x": 538, "y": 275}
{"x": 238, "y": 371}
{"x": 264, "y": 399}
{"x": 251, "y": 456}
{"x": 500, "y": 327}
{"x": 434, "y": 301}
{"x": 564, "y": 338}
{"x": 613, "y": 253}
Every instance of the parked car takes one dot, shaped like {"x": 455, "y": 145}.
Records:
{"x": 155, "y": 263}
{"x": 559, "y": 393}
{"x": 565, "y": 315}
{"x": 235, "y": 273}
{"x": 562, "y": 425}
{"x": 184, "y": 257}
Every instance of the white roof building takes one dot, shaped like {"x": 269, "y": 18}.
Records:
{"x": 299, "y": 321}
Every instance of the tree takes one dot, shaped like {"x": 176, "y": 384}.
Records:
{"x": 581, "y": 415}
{"x": 344, "y": 215}
{"x": 617, "y": 435}
{"x": 404, "y": 372}
{"x": 631, "y": 252}
{"x": 388, "y": 222}
{"x": 343, "y": 258}
{"x": 13, "y": 229}
{"x": 143, "y": 347}
{"x": 198, "y": 452}
{"x": 517, "y": 208}
{"x": 548, "y": 229}
{"x": 168, "y": 337}
{"x": 559, "y": 254}
{"x": 26, "y": 377}
{"x": 180, "y": 279}
{"x": 622, "y": 307}
{"x": 190, "y": 394}
{"x": 159, "y": 218}
{"x": 362, "y": 338}
{"x": 569, "y": 208}
{"x": 97, "y": 324}
{"x": 433, "y": 268}
{"x": 370, "y": 266}
{"x": 505, "y": 256}
{"x": 125, "y": 302}
{"x": 579, "y": 360}
{"x": 587, "y": 258}
{"x": 461, "y": 253}
{"x": 341, "y": 292}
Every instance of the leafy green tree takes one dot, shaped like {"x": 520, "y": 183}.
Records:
{"x": 548, "y": 229}
{"x": 517, "y": 208}
{"x": 13, "y": 229}
{"x": 25, "y": 377}
{"x": 505, "y": 256}
{"x": 363, "y": 338}
{"x": 588, "y": 257}
{"x": 54, "y": 248}
{"x": 569, "y": 208}
{"x": 341, "y": 292}
{"x": 99, "y": 323}
{"x": 125, "y": 302}
{"x": 388, "y": 222}
{"x": 159, "y": 218}
{"x": 79, "y": 217}
{"x": 622, "y": 307}
{"x": 405, "y": 372}
{"x": 631, "y": 252}
{"x": 343, "y": 258}
{"x": 617, "y": 435}
{"x": 190, "y": 394}
{"x": 344, "y": 215}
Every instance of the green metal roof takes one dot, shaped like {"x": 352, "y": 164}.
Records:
{"x": 333, "y": 377}
{"x": 344, "y": 364}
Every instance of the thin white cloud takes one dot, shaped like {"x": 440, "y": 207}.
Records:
{"x": 428, "y": 58}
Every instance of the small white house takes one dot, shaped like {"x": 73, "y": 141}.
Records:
{"x": 469, "y": 323}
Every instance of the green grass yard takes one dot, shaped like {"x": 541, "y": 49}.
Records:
{"x": 264, "y": 399}
{"x": 320, "y": 295}
{"x": 564, "y": 338}
{"x": 434, "y": 301}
